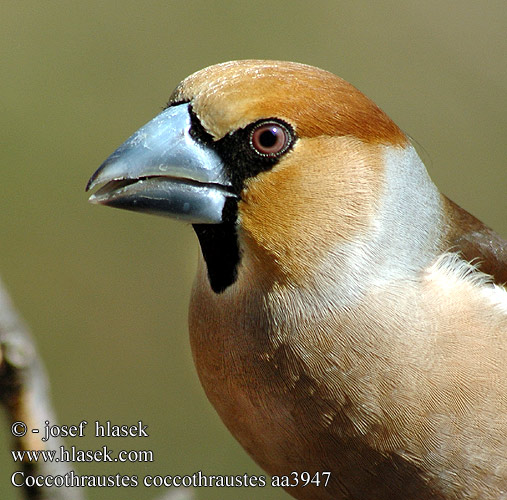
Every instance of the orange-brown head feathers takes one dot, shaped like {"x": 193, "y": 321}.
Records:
{"x": 232, "y": 94}
{"x": 328, "y": 189}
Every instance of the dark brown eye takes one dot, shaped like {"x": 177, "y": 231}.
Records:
{"x": 270, "y": 139}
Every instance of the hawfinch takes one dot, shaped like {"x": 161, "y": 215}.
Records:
{"x": 348, "y": 322}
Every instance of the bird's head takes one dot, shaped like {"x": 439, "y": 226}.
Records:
{"x": 272, "y": 160}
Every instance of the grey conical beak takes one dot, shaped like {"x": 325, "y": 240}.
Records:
{"x": 161, "y": 169}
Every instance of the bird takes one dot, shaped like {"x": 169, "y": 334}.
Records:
{"x": 348, "y": 322}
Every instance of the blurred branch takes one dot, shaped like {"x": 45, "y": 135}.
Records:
{"x": 24, "y": 392}
{"x": 179, "y": 494}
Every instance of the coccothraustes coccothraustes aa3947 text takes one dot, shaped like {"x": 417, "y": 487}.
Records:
{"x": 336, "y": 321}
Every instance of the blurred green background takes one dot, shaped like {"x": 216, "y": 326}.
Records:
{"x": 104, "y": 291}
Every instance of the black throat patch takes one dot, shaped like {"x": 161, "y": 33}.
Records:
{"x": 220, "y": 248}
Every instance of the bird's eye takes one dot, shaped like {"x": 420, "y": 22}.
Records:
{"x": 270, "y": 139}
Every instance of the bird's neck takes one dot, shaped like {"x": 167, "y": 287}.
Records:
{"x": 402, "y": 238}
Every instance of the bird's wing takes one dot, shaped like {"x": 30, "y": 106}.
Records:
{"x": 475, "y": 241}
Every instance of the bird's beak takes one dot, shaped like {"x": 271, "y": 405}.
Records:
{"x": 162, "y": 170}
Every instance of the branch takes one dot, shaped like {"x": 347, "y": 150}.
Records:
{"x": 24, "y": 392}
